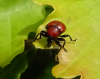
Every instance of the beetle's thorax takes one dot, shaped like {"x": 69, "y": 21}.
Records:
{"x": 50, "y": 40}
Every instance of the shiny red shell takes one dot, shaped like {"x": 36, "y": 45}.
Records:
{"x": 55, "y": 28}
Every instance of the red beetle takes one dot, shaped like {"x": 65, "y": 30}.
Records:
{"x": 54, "y": 29}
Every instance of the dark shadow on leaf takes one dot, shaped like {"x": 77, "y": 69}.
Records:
{"x": 78, "y": 77}
{"x": 31, "y": 35}
{"x": 48, "y": 9}
{"x": 40, "y": 65}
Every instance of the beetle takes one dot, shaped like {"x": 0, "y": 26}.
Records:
{"x": 54, "y": 29}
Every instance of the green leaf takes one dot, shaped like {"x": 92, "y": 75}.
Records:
{"x": 81, "y": 18}
{"x": 15, "y": 68}
{"x": 17, "y": 19}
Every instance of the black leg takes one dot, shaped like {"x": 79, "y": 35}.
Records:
{"x": 67, "y": 36}
{"x": 58, "y": 43}
{"x": 37, "y": 36}
{"x": 61, "y": 39}
{"x": 48, "y": 45}
{"x": 42, "y": 33}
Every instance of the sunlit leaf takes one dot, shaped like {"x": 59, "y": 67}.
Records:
{"x": 17, "y": 19}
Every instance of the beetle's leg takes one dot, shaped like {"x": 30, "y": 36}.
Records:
{"x": 48, "y": 45}
{"x": 42, "y": 33}
{"x": 67, "y": 36}
{"x": 59, "y": 43}
{"x": 61, "y": 39}
{"x": 36, "y": 36}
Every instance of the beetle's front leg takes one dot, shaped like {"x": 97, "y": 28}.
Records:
{"x": 59, "y": 43}
{"x": 67, "y": 36}
{"x": 42, "y": 33}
